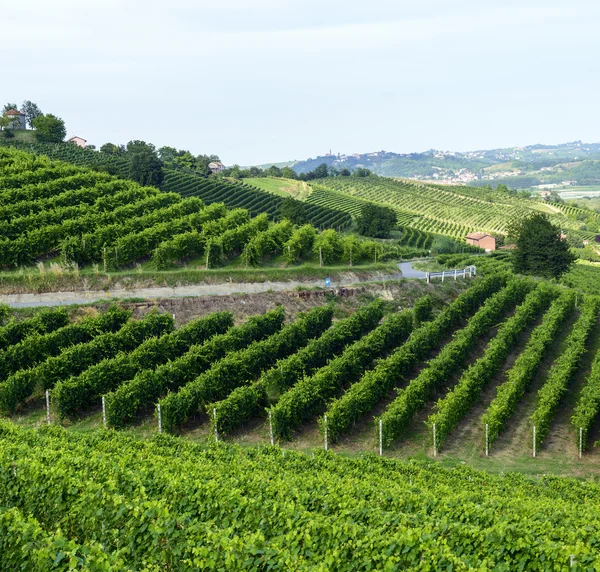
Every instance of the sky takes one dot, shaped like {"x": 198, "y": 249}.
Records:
{"x": 259, "y": 81}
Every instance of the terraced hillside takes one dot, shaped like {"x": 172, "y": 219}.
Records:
{"x": 232, "y": 194}
{"x": 453, "y": 211}
{"x": 55, "y": 211}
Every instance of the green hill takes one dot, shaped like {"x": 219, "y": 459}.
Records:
{"x": 450, "y": 210}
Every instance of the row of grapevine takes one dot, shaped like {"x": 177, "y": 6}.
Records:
{"x": 310, "y": 395}
{"x": 564, "y": 369}
{"x": 45, "y": 322}
{"x": 242, "y": 367}
{"x": 77, "y": 358}
{"x": 450, "y": 409}
{"x": 522, "y": 372}
{"x": 361, "y": 397}
{"x": 168, "y": 504}
{"x": 439, "y": 370}
{"x": 37, "y": 348}
{"x": 71, "y": 396}
{"x": 148, "y": 385}
{"x": 248, "y": 401}
{"x": 256, "y": 201}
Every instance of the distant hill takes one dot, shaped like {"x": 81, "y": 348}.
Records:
{"x": 563, "y": 166}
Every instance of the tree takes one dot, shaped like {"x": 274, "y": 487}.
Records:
{"x": 31, "y": 111}
{"x": 345, "y": 173}
{"x": 540, "y": 249}
{"x": 49, "y": 128}
{"x": 376, "y": 221}
{"x": 321, "y": 171}
{"x": 293, "y": 210}
{"x": 112, "y": 149}
{"x": 145, "y": 167}
{"x": 5, "y": 122}
{"x": 273, "y": 171}
{"x": 9, "y": 107}
{"x": 288, "y": 173}
{"x": 362, "y": 172}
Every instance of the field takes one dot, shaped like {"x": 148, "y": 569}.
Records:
{"x": 451, "y": 211}
{"x": 507, "y": 353}
{"x": 112, "y": 503}
{"x": 233, "y": 195}
{"x": 374, "y": 427}
{"x": 282, "y": 187}
{"x": 58, "y": 214}
{"x": 238, "y": 380}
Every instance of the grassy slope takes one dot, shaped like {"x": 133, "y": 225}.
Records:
{"x": 282, "y": 187}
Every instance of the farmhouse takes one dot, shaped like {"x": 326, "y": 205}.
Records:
{"x": 16, "y": 115}
{"x": 482, "y": 239}
{"x": 79, "y": 141}
{"x": 216, "y": 166}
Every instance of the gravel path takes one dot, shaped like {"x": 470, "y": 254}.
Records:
{"x": 224, "y": 289}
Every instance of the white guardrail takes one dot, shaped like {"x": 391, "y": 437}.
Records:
{"x": 469, "y": 271}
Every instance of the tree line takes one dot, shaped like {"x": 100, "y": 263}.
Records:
{"x": 320, "y": 172}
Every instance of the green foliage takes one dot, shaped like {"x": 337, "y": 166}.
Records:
{"x": 71, "y": 396}
{"x": 149, "y": 385}
{"x": 293, "y": 210}
{"x": 413, "y": 397}
{"x": 522, "y": 372}
{"x": 563, "y": 371}
{"x": 540, "y": 250}
{"x": 300, "y": 243}
{"x": 49, "y": 128}
{"x": 113, "y": 503}
{"x": 328, "y": 246}
{"x": 309, "y": 396}
{"x": 450, "y": 409}
{"x": 31, "y": 111}
{"x": 144, "y": 165}
{"x": 242, "y": 367}
{"x": 376, "y": 221}
{"x": 248, "y": 401}
{"x": 76, "y": 359}
{"x": 45, "y": 322}
{"x": 18, "y": 362}
{"x": 267, "y": 242}
{"x": 422, "y": 311}
{"x": 361, "y": 397}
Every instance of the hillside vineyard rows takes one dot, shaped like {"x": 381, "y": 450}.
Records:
{"x": 439, "y": 209}
{"x": 50, "y": 209}
{"x": 233, "y": 195}
{"x": 111, "y": 503}
{"x": 315, "y": 370}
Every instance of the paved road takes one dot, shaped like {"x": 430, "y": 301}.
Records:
{"x": 224, "y": 289}
{"x": 409, "y": 272}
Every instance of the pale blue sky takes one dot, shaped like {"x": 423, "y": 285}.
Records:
{"x": 263, "y": 80}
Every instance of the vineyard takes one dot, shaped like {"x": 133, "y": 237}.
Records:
{"x": 484, "y": 351}
{"x": 50, "y": 210}
{"x": 108, "y": 502}
{"x": 233, "y": 195}
{"x": 440, "y": 209}
{"x": 506, "y": 352}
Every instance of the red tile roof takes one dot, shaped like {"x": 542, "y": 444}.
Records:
{"x": 477, "y": 235}
{"x": 14, "y": 112}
